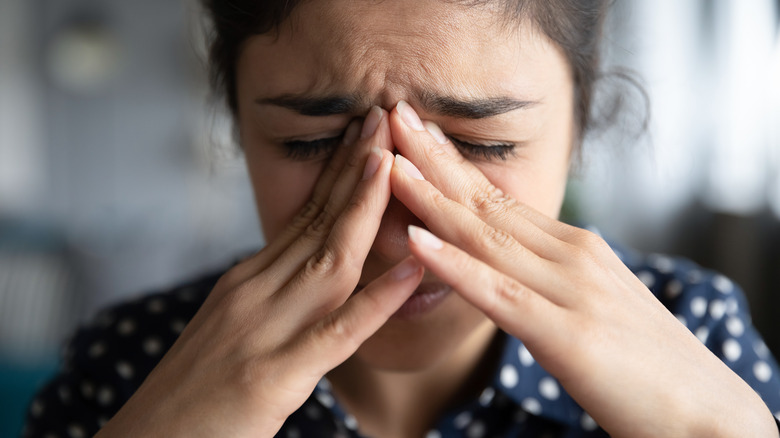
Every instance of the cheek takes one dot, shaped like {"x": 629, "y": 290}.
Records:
{"x": 281, "y": 190}
{"x": 539, "y": 183}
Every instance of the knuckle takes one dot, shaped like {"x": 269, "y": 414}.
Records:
{"x": 321, "y": 224}
{"x": 490, "y": 202}
{"x": 495, "y": 238}
{"x": 507, "y": 291}
{"x": 340, "y": 332}
{"x": 334, "y": 263}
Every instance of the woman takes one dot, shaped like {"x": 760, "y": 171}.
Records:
{"x": 416, "y": 281}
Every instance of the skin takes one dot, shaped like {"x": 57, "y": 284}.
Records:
{"x": 340, "y": 222}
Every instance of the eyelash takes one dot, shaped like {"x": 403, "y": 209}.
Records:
{"x": 302, "y": 150}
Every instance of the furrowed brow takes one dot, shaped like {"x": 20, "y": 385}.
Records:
{"x": 314, "y": 106}
{"x": 449, "y": 106}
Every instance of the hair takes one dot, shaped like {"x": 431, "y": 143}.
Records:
{"x": 574, "y": 25}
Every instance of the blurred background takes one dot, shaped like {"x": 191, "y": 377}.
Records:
{"x": 118, "y": 175}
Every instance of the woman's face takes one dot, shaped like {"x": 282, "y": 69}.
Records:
{"x": 378, "y": 53}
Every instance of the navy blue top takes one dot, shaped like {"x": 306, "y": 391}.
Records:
{"x": 106, "y": 361}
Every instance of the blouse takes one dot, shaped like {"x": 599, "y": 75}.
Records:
{"x": 108, "y": 359}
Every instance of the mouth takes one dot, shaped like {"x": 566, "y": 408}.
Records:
{"x": 424, "y": 300}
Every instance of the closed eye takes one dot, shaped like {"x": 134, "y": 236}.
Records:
{"x": 488, "y": 152}
{"x": 304, "y": 150}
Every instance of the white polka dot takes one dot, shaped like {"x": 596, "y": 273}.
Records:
{"x": 36, "y": 408}
{"x": 462, "y": 420}
{"x": 731, "y": 350}
{"x": 762, "y": 371}
{"x": 351, "y": 422}
{"x": 777, "y": 415}
{"x": 487, "y": 396}
{"x": 509, "y": 376}
{"x": 125, "y": 327}
{"x": 313, "y": 411}
{"x": 96, "y": 350}
{"x": 124, "y": 369}
{"x": 76, "y": 431}
{"x": 526, "y": 359}
{"x": 105, "y": 396}
{"x": 433, "y": 434}
{"x": 326, "y": 399}
{"x": 104, "y": 319}
{"x": 87, "y": 390}
{"x": 647, "y": 278}
{"x": 152, "y": 346}
{"x": 673, "y": 289}
{"x": 694, "y": 276}
{"x": 520, "y": 416}
{"x": 177, "y": 325}
{"x": 186, "y": 295}
{"x": 698, "y": 306}
{"x": 293, "y": 432}
{"x": 532, "y": 405}
{"x": 662, "y": 263}
{"x": 760, "y": 348}
{"x": 587, "y": 422}
{"x": 682, "y": 319}
{"x": 722, "y": 284}
{"x": 64, "y": 393}
{"x": 155, "y": 305}
{"x": 702, "y": 333}
{"x": 476, "y": 430}
{"x": 102, "y": 421}
{"x": 324, "y": 384}
{"x": 548, "y": 388}
{"x": 717, "y": 309}
{"x": 735, "y": 327}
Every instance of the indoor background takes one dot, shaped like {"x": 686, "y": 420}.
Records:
{"x": 118, "y": 175}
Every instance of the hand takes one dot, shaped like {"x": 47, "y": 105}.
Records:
{"x": 277, "y": 322}
{"x": 581, "y": 313}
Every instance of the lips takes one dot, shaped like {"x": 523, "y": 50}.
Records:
{"x": 425, "y": 299}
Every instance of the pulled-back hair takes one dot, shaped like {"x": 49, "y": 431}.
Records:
{"x": 574, "y": 25}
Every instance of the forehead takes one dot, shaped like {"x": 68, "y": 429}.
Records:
{"x": 388, "y": 50}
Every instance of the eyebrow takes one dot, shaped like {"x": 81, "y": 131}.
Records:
{"x": 447, "y": 106}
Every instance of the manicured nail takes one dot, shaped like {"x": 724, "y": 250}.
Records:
{"x": 372, "y": 122}
{"x": 408, "y": 168}
{"x": 436, "y": 133}
{"x": 351, "y": 134}
{"x": 372, "y": 163}
{"x": 409, "y": 116}
{"x": 424, "y": 238}
{"x": 405, "y": 270}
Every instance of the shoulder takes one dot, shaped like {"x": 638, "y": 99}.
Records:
{"x": 108, "y": 358}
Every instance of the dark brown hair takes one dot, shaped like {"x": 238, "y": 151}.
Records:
{"x": 574, "y": 25}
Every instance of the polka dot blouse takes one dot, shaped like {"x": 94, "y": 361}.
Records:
{"x": 106, "y": 361}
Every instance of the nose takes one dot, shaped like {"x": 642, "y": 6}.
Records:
{"x": 391, "y": 243}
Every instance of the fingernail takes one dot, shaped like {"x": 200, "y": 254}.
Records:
{"x": 372, "y": 163}
{"x": 424, "y": 238}
{"x": 408, "y": 168}
{"x": 409, "y": 116}
{"x": 372, "y": 122}
{"x": 351, "y": 134}
{"x": 436, "y": 133}
{"x": 405, "y": 270}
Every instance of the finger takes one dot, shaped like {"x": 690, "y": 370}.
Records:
{"x": 457, "y": 224}
{"x": 439, "y": 161}
{"x": 512, "y": 305}
{"x": 331, "y": 252}
{"x": 502, "y": 245}
{"x": 336, "y": 337}
{"x": 263, "y": 258}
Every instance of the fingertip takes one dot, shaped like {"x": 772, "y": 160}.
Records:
{"x": 352, "y": 132}
{"x": 424, "y": 238}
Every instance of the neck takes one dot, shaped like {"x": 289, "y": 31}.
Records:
{"x": 390, "y": 403}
